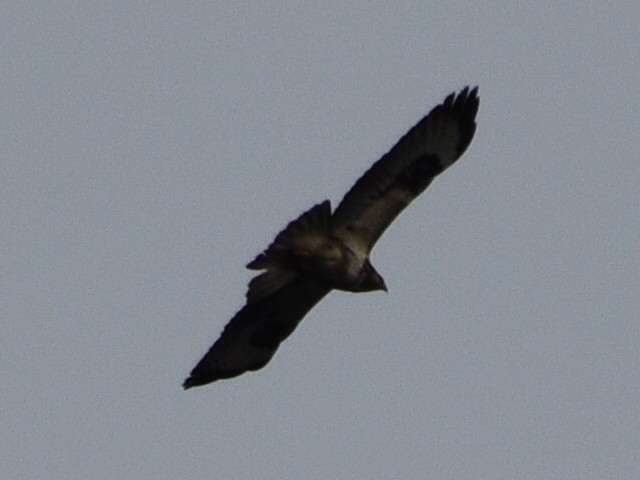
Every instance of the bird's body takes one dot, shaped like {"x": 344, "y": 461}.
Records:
{"x": 309, "y": 247}
{"x": 324, "y": 250}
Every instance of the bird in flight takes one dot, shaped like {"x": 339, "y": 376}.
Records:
{"x": 323, "y": 250}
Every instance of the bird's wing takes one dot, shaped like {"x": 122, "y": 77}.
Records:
{"x": 429, "y": 148}
{"x": 277, "y": 300}
{"x": 253, "y": 335}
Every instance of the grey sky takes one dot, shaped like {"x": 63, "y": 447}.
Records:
{"x": 148, "y": 151}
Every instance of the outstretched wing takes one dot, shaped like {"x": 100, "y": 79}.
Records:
{"x": 252, "y": 337}
{"x": 277, "y": 300}
{"x": 429, "y": 148}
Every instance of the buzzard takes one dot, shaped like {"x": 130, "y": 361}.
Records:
{"x": 321, "y": 251}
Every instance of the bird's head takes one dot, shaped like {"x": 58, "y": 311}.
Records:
{"x": 371, "y": 280}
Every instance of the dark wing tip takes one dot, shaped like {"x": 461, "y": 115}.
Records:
{"x": 199, "y": 379}
{"x": 464, "y": 106}
{"x": 199, "y": 376}
{"x": 466, "y": 94}
{"x": 459, "y": 110}
{"x": 204, "y": 374}
{"x": 468, "y": 101}
{"x": 188, "y": 383}
{"x": 465, "y": 103}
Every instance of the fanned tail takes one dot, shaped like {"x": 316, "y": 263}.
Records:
{"x": 298, "y": 238}
{"x": 301, "y": 234}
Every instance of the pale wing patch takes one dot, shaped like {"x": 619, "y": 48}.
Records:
{"x": 360, "y": 235}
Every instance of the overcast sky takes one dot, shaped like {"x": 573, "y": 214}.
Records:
{"x": 149, "y": 150}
